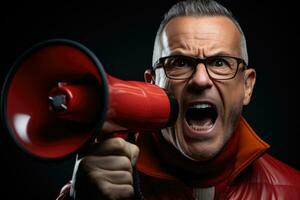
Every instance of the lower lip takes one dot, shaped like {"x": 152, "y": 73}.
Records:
{"x": 202, "y": 134}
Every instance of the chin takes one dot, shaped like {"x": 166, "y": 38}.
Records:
{"x": 203, "y": 150}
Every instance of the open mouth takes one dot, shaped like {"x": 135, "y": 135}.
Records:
{"x": 201, "y": 117}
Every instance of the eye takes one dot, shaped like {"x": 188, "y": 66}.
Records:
{"x": 218, "y": 62}
{"x": 178, "y": 62}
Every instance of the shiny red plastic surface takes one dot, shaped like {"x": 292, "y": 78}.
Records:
{"x": 32, "y": 124}
{"x": 137, "y": 105}
{"x": 63, "y": 69}
{"x": 132, "y": 104}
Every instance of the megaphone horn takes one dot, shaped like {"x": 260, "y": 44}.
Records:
{"x": 57, "y": 97}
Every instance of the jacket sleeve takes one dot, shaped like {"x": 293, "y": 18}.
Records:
{"x": 65, "y": 192}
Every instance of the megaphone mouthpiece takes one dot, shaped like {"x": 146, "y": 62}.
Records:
{"x": 75, "y": 102}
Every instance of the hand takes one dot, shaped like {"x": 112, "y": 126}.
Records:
{"x": 106, "y": 171}
{"x": 110, "y": 126}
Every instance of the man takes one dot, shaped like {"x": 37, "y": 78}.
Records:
{"x": 211, "y": 152}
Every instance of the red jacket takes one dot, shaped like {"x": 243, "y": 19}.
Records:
{"x": 242, "y": 171}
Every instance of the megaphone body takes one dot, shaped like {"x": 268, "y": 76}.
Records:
{"x": 57, "y": 97}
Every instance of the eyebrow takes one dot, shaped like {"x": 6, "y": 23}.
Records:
{"x": 181, "y": 53}
{"x": 221, "y": 53}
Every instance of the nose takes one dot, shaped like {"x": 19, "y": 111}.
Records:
{"x": 200, "y": 80}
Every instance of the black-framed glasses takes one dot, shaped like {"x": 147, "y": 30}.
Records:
{"x": 181, "y": 67}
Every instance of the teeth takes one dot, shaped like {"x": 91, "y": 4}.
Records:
{"x": 201, "y": 106}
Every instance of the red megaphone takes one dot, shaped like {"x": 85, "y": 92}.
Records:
{"x": 57, "y": 97}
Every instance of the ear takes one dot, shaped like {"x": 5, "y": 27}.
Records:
{"x": 249, "y": 82}
{"x": 149, "y": 76}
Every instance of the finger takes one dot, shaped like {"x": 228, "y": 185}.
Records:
{"x": 114, "y": 177}
{"x": 93, "y": 163}
{"x": 113, "y": 191}
{"x": 114, "y": 146}
{"x": 97, "y": 187}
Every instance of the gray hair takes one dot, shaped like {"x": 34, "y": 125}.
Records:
{"x": 196, "y": 8}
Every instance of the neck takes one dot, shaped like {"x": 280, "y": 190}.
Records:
{"x": 197, "y": 173}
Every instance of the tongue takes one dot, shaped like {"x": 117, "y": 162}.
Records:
{"x": 203, "y": 124}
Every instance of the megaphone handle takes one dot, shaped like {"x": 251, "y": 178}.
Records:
{"x": 138, "y": 195}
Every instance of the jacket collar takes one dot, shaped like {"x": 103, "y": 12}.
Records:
{"x": 243, "y": 149}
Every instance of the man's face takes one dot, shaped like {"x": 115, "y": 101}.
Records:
{"x": 209, "y": 109}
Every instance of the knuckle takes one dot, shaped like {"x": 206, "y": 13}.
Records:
{"x": 125, "y": 162}
{"x": 135, "y": 150}
{"x": 129, "y": 192}
{"x": 114, "y": 192}
{"x": 118, "y": 144}
{"x": 105, "y": 190}
{"x": 134, "y": 154}
{"x": 128, "y": 176}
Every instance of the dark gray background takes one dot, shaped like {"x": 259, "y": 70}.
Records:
{"x": 122, "y": 35}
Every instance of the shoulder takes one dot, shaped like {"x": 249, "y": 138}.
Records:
{"x": 267, "y": 178}
{"x": 272, "y": 171}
